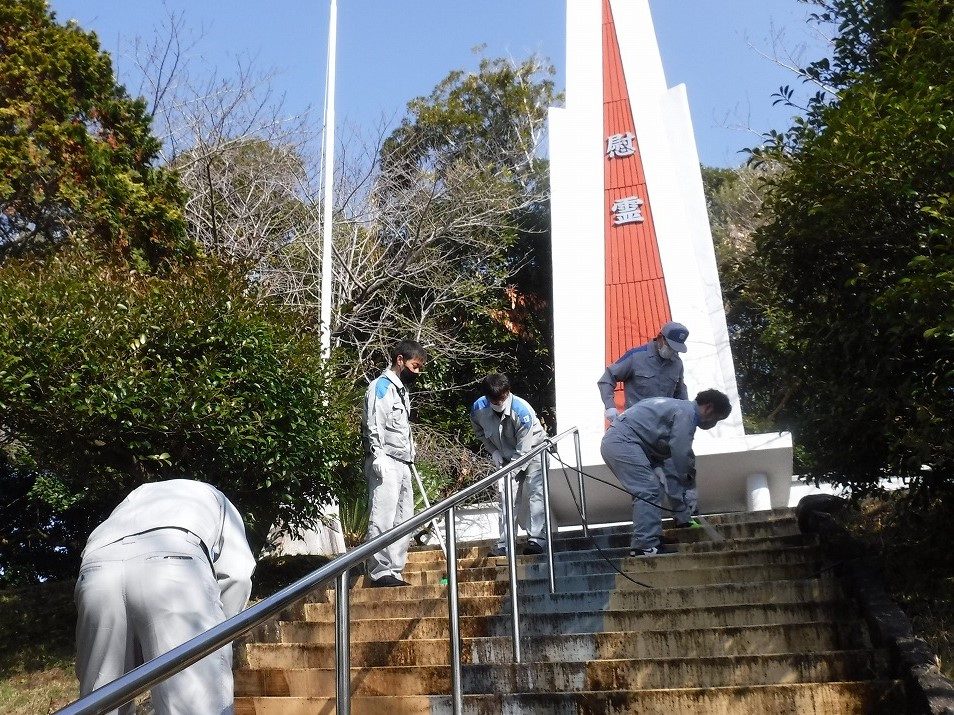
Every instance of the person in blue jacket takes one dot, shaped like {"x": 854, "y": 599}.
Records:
{"x": 655, "y": 370}
{"x": 508, "y": 428}
{"x": 640, "y": 440}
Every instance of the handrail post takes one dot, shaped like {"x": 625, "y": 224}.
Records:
{"x": 122, "y": 689}
{"x": 512, "y": 564}
{"x": 450, "y": 527}
{"x": 579, "y": 474}
{"x": 342, "y": 646}
{"x": 545, "y": 464}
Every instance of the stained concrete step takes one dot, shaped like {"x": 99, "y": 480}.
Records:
{"x": 645, "y": 674}
{"x": 586, "y": 563}
{"x": 632, "y": 579}
{"x": 827, "y": 589}
{"x": 619, "y": 537}
{"x": 750, "y": 551}
{"x": 696, "y": 643}
{"x": 744, "y": 667}
{"x": 535, "y": 624}
{"x": 881, "y": 697}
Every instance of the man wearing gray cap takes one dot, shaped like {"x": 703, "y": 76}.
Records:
{"x": 654, "y": 370}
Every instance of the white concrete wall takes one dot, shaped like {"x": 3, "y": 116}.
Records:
{"x": 674, "y": 183}
{"x": 576, "y": 171}
{"x": 670, "y": 161}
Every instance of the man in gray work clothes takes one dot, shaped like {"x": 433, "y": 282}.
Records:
{"x": 389, "y": 459}
{"x": 508, "y": 428}
{"x": 641, "y": 439}
{"x": 654, "y": 370}
{"x": 169, "y": 563}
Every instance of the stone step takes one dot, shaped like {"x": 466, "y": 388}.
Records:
{"x": 697, "y": 643}
{"x": 552, "y": 624}
{"x": 731, "y": 553}
{"x": 593, "y": 564}
{"x": 706, "y": 596}
{"x": 645, "y": 674}
{"x": 880, "y": 697}
{"x": 747, "y": 623}
{"x": 619, "y": 537}
{"x": 632, "y": 579}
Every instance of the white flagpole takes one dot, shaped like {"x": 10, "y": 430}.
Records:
{"x": 328, "y": 141}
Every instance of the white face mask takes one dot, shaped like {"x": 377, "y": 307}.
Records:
{"x": 665, "y": 352}
{"x": 503, "y": 405}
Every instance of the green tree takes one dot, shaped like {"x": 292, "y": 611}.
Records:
{"x": 488, "y": 124}
{"x": 76, "y": 151}
{"x": 110, "y": 378}
{"x": 126, "y": 355}
{"x": 855, "y": 266}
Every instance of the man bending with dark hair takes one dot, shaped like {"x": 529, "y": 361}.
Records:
{"x": 641, "y": 439}
{"x": 508, "y": 428}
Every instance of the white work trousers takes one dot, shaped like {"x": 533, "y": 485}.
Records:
{"x": 391, "y": 498}
{"x": 528, "y": 506}
{"x": 141, "y": 597}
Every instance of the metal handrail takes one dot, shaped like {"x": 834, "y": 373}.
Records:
{"x": 140, "y": 679}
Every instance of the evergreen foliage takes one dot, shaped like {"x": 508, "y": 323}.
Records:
{"x": 855, "y": 268}
{"x": 76, "y": 150}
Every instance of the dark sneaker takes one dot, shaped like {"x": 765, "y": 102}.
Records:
{"x": 388, "y": 581}
{"x": 498, "y": 551}
{"x": 533, "y": 549}
{"x": 661, "y": 550}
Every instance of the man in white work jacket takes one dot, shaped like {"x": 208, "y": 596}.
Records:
{"x": 389, "y": 457}
{"x": 508, "y": 428}
{"x": 169, "y": 563}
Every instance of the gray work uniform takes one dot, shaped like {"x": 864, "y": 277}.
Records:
{"x": 514, "y": 432}
{"x": 168, "y": 564}
{"x": 387, "y": 438}
{"x": 642, "y": 438}
{"x": 645, "y": 374}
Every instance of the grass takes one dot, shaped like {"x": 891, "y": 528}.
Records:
{"x": 37, "y": 623}
{"x": 36, "y": 662}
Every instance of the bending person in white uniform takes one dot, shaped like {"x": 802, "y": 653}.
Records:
{"x": 508, "y": 428}
{"x": 169, "y": 563}
{"x": 389, "y": 456}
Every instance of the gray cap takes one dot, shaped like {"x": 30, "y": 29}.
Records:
{"x": 675, "y": 334}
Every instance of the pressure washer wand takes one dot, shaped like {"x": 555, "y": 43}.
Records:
{"x": 700, "y": 520}
{"x": 427, "y": 505}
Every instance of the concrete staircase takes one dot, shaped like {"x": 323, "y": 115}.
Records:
{"x": 750, "y": 624}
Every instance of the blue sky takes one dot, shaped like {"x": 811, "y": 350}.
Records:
{"x": 391, "y": 51}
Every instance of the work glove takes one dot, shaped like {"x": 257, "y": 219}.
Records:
{"x": 611, "y": 413}
{"x": 378, "y": 467}
{"x": 497, "y": 458}
{"x": 660, "y": 475}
